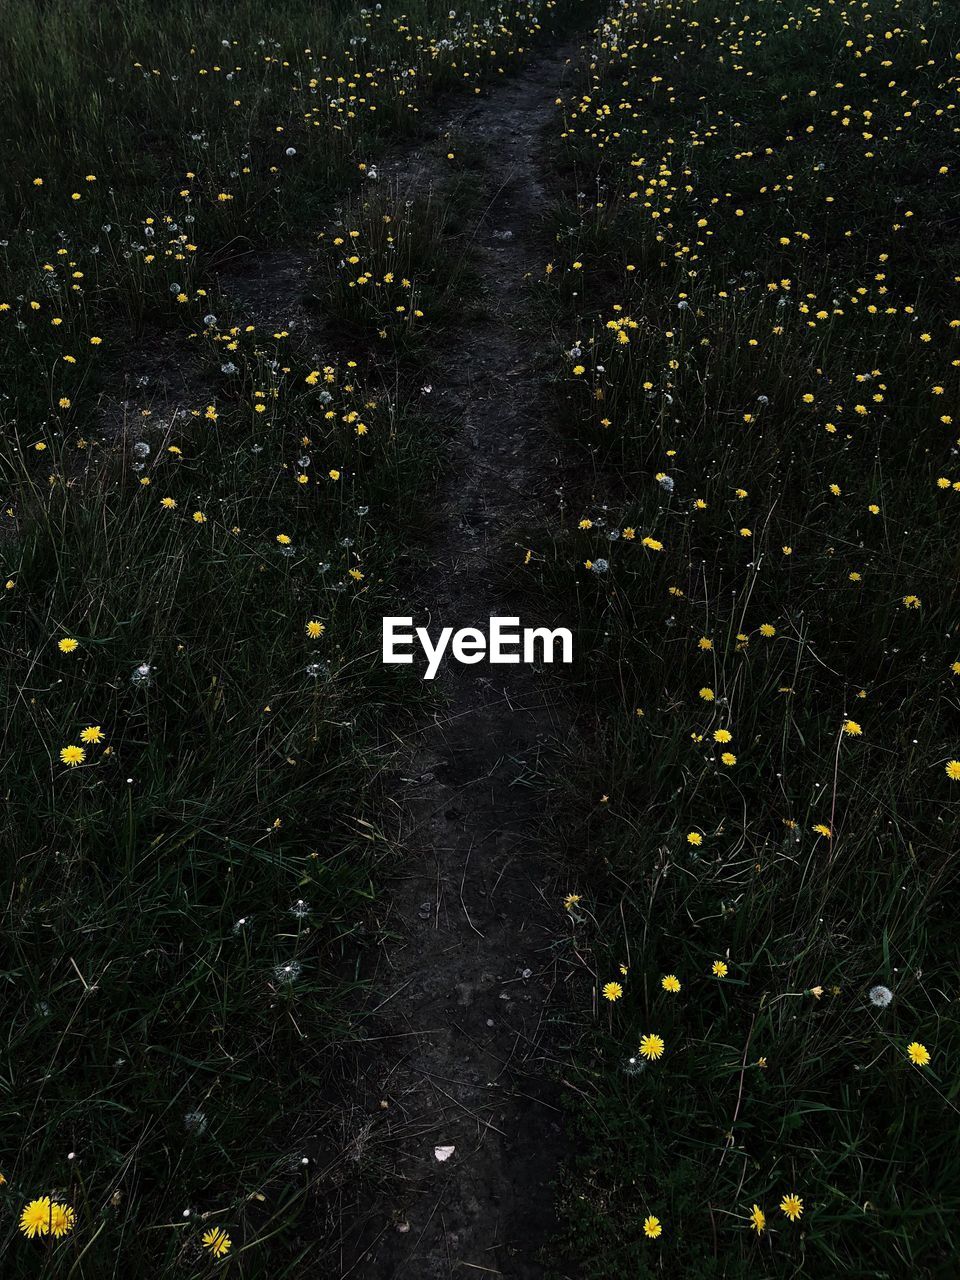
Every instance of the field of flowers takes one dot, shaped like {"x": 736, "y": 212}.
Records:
{"x": 755, "y": 295}
{"x": 205, "y": 507}
{"x": 218, "y": 325}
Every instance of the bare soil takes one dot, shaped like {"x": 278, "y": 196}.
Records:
{"x": 460, "y": 1056}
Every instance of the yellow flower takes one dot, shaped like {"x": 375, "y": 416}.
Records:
{"x": 199, "y": 518}
{"x": 722, "y": 735}
{"x": 758, "y": 1219}
{"x": 719, "y": 969}
{"x": 822, "y": 829}
{"x": 729, "y": 759}
{"x": 670, "y": 982}
{"x": 284, "y": 539}
{"x": 571, "y": 900}
{"x": 707, "y": 694}
{"x": 652, "y": 1228}
{"x": 911, "y": 602}
{"x": 35, "y": 1218}
{"x": 652, "y": 1047}
{"x": 92, "y": 734}
{"x": 792, "y": 1206}
{"x": 694, "y": 838}
{"x": 852, "y": 729}
{"x": 217, "y": 1241}
{"x": 612, "y": 991}
{"x": 62, "y": 1219}
{"x": 169, "y": 503}
{"x": 72, "y": 756}
{"x": 953, "y": 770}
{"x": 315, "y": 629}
{"x": 918, "y": 1054}
{"x": 766, "y": 629}
{"x": 68, "y": 644}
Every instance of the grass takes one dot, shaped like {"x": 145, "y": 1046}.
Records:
{"x": 753, "y": 320}
{"x": 756, "y": 334}
{"x": 206, "y": 512}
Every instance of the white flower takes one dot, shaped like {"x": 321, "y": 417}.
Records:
{"x": 880, "y": 997}
{"x": 289, "y": 972}
{"x": 195, "y": 1122}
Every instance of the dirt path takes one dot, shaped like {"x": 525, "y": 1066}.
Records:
{"x": 470, "y": 970}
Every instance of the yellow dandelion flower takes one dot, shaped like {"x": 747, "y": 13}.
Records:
{"x": 792, "y": 1206}
{"x": 652, "y": 1047}
{"x": 918, "y": 1054}
{"x": 62, "y": 1218}
{"x": 217, "y": 1241}
{"x": 35, "y": 1218}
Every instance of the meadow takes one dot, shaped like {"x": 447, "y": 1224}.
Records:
{"x": 755, "y": 309}
{"x": 208, "y": 496}
{"x": 219, "y": 469}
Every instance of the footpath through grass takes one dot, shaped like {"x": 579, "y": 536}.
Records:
{"x": 756, "y": 303}
{"x": 202, "y": 516}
